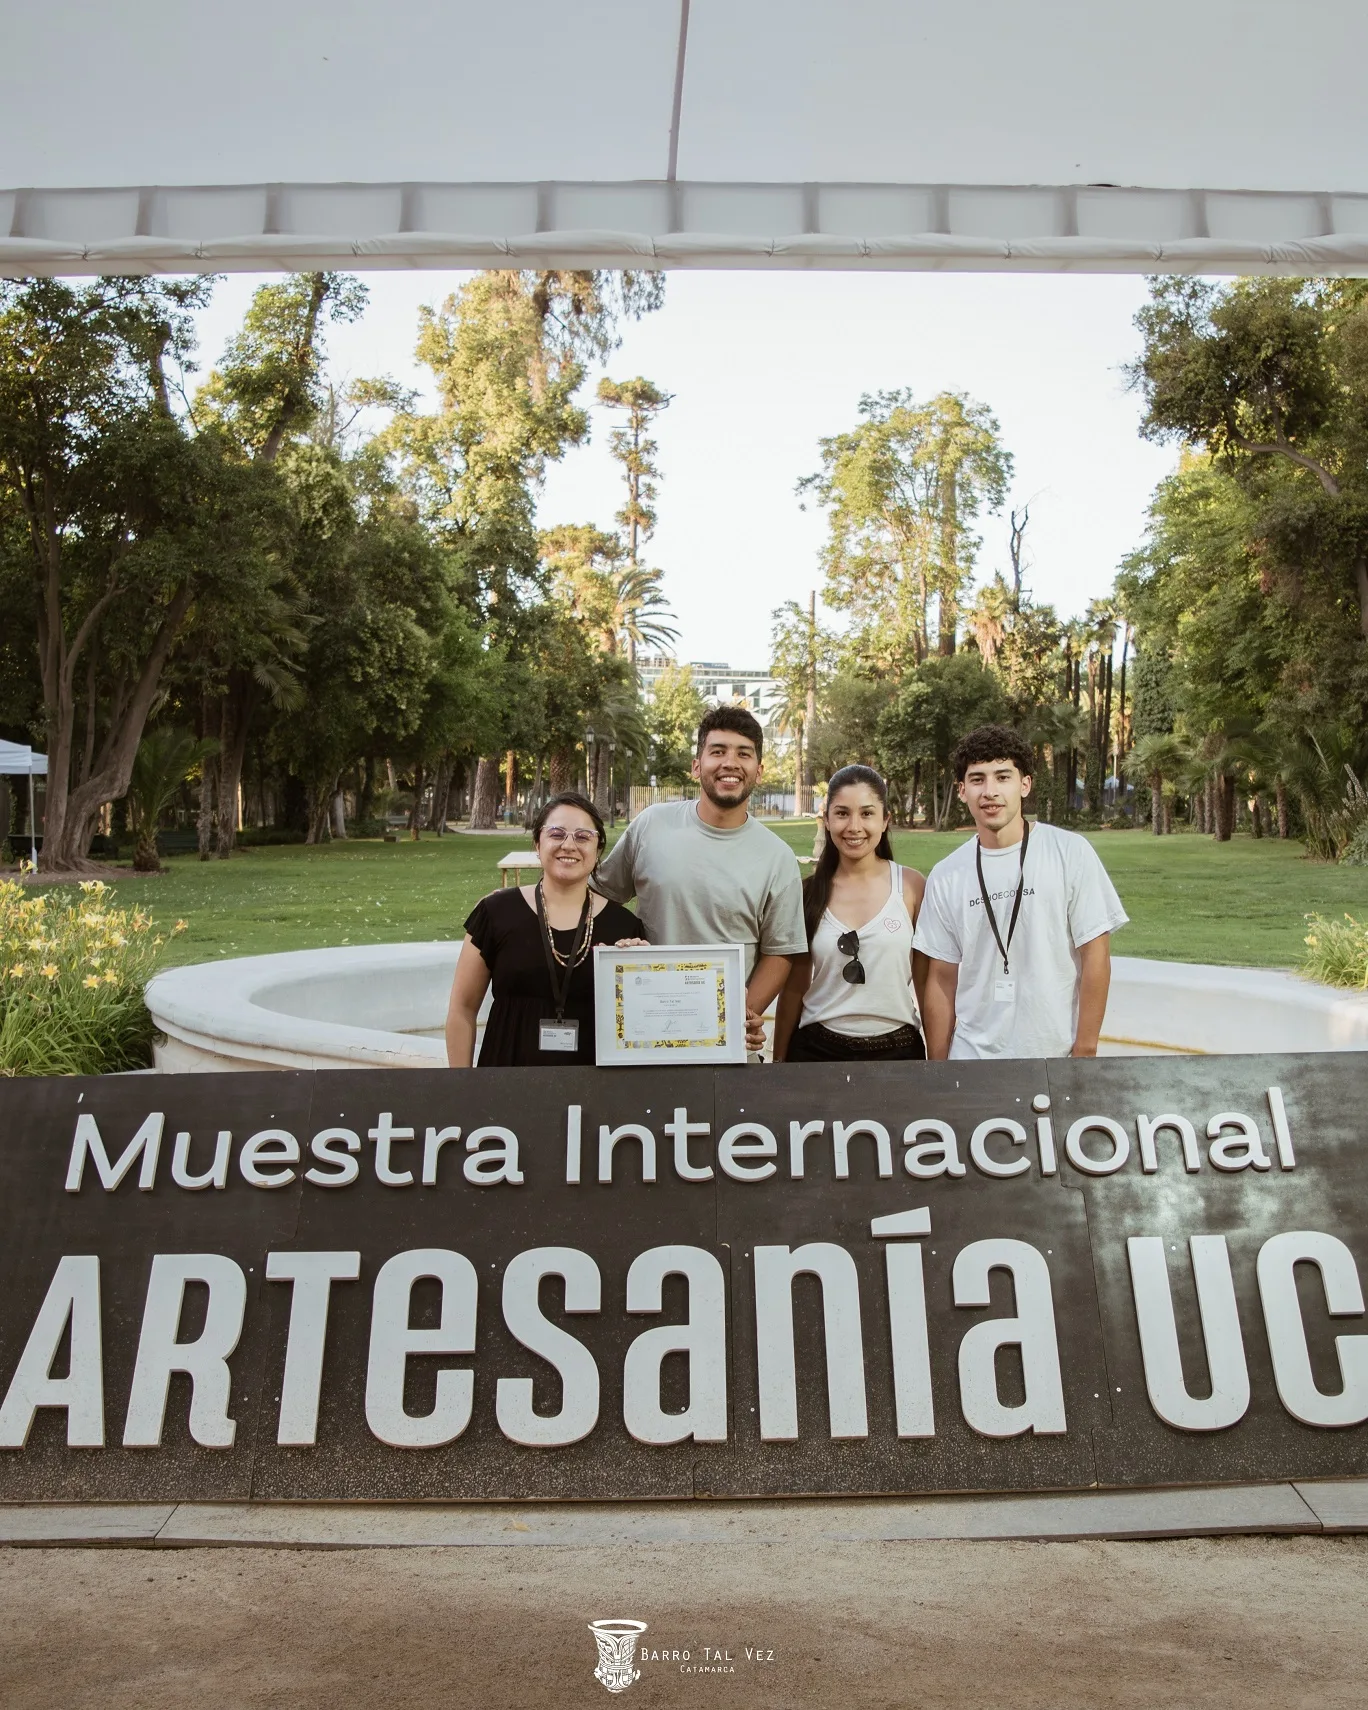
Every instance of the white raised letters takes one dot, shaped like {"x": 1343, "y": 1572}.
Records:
{"x": 146, "y": 1143}
{"x": 205, "y": 1360}
{"x": 392, "y": 1340}
{"x": 702, "y": 1337}
{"x": 1220, "y": 1320}
{"x": 579, "y": 1376}
{"x": 775, "y": 1270}
{"x": 313, "y": 1275}
{"x": 73, "y": 1297}
{"x": 1032, "y": 1330}
{"x": 1297, "y": 1389}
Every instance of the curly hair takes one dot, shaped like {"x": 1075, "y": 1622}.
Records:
{"x": 737, "y": 720}
{"x": 992, "y": 742}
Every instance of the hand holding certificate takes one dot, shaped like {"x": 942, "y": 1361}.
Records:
{"x": 680, "y": 1003}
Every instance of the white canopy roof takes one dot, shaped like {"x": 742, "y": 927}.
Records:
{"x": 17, "y": 761}
{"x": 1188, "y": 135}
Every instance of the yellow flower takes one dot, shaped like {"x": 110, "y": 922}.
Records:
{"x": 180, "y": 926}
{"x": 111, "y": 978}
{"x": 17, "y": 971}
{"x": 90, "y": 980}
{"x": 50, "y": 971}
{"x": 39, "y": 943}
{"x": 94, "y": 961}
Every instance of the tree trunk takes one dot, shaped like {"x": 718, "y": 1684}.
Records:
{"x": 339, "y": 815}
{"x": 602, "y": 773}
{"x": 239, "y": 707}
{"x": 441, "y": 793}
{"x": 1284, "y": 818}
{"x": 1156, "y": 785}
{"x": 564, "y": 770}
{"x": 510, "y": 785}
{"x": 67, "y": 811}
{"x": 1213, "y": 828}
{"x": 1256, "y": 815}
{"x": 1361, "y": 579}
{"x": 204, "y": 823}
{"x": 416, "y": 811}
{"x": 145, "y": 857}
{"x": 1198, "y": 809}
{"x": 485, "y": 796}
{"x": 320, "y": 807}
{"x": 1168, "y": 816}
{"x": 916, "y": 790}
{"x": 1225, "y": 809}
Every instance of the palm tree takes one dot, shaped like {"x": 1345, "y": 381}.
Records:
{"x": 1061, "y": 729}
{"x": 1153, "y": 760}
{"x": 166, "y": 757}
{"x": 640, "y": 610}
{"x": 988, "y": 617}
{"x": 1325, "y": 769}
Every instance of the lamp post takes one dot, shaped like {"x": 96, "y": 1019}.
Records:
{"x": 612, "y": 798}
{"x": 589, "y": 761}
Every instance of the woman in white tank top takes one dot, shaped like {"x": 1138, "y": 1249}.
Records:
{"x": 851, "y": 997}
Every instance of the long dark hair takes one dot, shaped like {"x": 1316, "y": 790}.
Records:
{"x": 817, "y": 889}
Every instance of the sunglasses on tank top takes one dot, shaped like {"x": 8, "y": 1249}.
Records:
{"x": 849, "y": 945}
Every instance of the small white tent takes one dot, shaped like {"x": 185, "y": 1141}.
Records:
{"x": 1182, "y": 135}
{"x": 17, "y": 761}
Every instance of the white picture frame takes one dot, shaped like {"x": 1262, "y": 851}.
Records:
{"x": 642, "y": 995}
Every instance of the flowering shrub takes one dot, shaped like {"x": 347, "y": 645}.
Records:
{"x": 71, "y": 983}
{"x": 1337, "y": 951}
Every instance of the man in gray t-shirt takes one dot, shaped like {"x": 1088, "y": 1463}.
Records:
{"x": 705, "y": 872}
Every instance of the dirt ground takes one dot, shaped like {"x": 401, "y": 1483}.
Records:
{"x": 1179, "y": 1625}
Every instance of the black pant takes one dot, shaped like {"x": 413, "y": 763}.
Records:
{"x": 817, "y": 1044}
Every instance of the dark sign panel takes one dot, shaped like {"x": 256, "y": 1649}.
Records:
{"x": 653, "y": 1283}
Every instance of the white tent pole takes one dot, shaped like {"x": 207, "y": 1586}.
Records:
{"x": 33, "y": 825}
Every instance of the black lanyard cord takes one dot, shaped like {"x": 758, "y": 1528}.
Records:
{"x": 1016, "y": 906}
{"x": 560, "y": 976}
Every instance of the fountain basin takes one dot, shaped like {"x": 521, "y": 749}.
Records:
{"x": 382, "y": 1006}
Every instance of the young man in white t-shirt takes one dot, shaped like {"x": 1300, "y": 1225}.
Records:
{"x": 1016, "y": 925}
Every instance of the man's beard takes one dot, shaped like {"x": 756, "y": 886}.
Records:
{"x": 711, "y": 791}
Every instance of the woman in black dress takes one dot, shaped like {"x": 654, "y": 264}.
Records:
{"x": 535, "y": 944}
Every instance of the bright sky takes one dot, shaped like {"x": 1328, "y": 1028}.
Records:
{"x": 763, "y": 365}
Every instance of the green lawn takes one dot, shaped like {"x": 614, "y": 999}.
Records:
{"x": 1189, "y": 899}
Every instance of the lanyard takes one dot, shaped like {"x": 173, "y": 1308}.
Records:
{"x": 1016, "y": 906}
{"x": 560, "y": 986}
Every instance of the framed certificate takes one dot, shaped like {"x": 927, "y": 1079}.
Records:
{"x": 675, "y": 1003}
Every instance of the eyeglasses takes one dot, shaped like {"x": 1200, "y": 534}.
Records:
{"x": 849, "y": 945}
{"x": 581, "y": 839}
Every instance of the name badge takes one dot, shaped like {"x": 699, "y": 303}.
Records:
{"x": 559, "y": 1036}
{"x": 1004, "y": 991}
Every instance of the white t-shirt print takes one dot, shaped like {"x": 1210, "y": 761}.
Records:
{"x": 1067, "y": 901}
